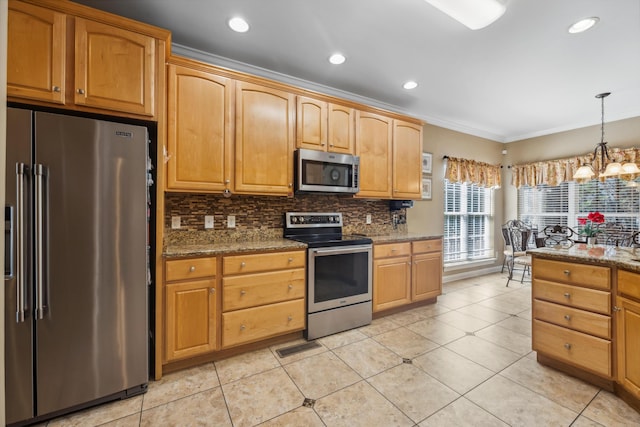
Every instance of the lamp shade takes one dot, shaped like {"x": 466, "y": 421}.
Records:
{"x": 612, "y": 169}
{"x": 474, "y": 14}
{"x": 584, "y": 172}
{"x": 629, "y": 168}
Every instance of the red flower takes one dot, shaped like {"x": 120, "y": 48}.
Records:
{"x": 582, "y": 221}
{"x": 596, "y": 217}
{"x": 588, "y": 223}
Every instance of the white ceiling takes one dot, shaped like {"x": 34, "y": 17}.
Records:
{"x": 522, "y": 76}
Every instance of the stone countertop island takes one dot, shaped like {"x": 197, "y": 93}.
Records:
{"x": 622, "y": 257}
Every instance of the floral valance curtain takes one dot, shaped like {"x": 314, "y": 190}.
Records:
{"x": 472, "y": 172}
{"x": 553, "y": 172}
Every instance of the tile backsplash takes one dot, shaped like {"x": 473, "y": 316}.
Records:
{"x": 265, "y": 215}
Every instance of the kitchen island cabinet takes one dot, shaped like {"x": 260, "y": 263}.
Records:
{"x": 191, "y": 314}
{"x": 627, "y": 309}
{"x": 199, "y": 128}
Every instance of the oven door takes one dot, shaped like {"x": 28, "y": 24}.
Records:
{"x": 339, "y": 276}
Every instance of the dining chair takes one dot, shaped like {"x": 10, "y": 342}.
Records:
{"x": 553, "y": 235}
{"x": 613, "y": 234}
{"x": 518, "y": 238}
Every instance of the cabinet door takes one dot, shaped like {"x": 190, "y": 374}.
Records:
{"x": 426, "y": 276}
{"x": 114, "y": 68}
{"x": 373, "y": 145}
{"x": 391, "y": 282}
{"x": 36, "y": 53}
{"x": 191, "y": 318}
{"x": 407, "y": 160}
{"x": 199, "y": 130}
{"x": 311, "y": 124}
{"x": 264, "y": 140}
{"x": 628, "y": 325}
{"x": 342, "y": 129}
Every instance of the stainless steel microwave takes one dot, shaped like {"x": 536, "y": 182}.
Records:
{"x": 318, "y": 171}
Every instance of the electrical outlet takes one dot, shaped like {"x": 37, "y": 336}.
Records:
{"x": 175, "y": 222}
{"x": 368, "y": 218}
{"x": 231, "y": 221}
{"x": 208, "y": 221}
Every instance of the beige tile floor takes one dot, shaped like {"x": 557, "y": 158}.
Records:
{"x": 465, "y": 361}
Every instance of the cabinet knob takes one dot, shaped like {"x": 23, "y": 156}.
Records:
{"x": 227, "y": 181}
{"x": 409, "y": 263}
{"x": 290, "y": 286}
{"x": 567, "y": 272}
{"x": 192, "y": 268}
{"x": 616, "y": 308}
{"x": 290, "y": 318}
{"x": 290, "y": 185}
{"x": 242, "y": 264}
{"x": 567, "y": 295}
{"x": 242, "y": 292}
{"x": 290, "y": 260}
{"x": 81, "y": 91}
{"x": 56, "y": 88}
{"x": 212, "y": 290}
{"x": 567, "y": 346}
{"x": 567, "y": 317}
{"x": 242, "y": 327}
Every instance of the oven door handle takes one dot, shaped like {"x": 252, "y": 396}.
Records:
{"x": 342, "y": 250}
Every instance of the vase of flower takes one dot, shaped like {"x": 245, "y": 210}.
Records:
{"x": 591, "y": 241}
{"x": 589, "y": 228}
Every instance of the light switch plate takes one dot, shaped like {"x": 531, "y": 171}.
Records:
{"x": 175, "y": 222}
{"x": 368, "y": 218}
{"x": 231, "y": 221}
{"x": 208, "y": 221}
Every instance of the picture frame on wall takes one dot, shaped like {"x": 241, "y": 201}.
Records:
{"x": 427, "y": 162}
{"x": 426, "y": 188}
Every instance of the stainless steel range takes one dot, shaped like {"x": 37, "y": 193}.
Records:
{"x": 339, "y": 272}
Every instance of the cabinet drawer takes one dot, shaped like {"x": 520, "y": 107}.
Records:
{"x": 572, "y": 318}
{"x": 422, "y": 246}
{"x": 588, "y": 352}
{"x": 262, "y": 288}
{"x": 578, "y": 274}
{"x": 179, "y": 269}
{"x": 574, "y": 296}
{"x": 253, "y": 324}
{"x": 629, "y": 283}
{"x": 391, "y": 250}
{"x": 263, "y": 262}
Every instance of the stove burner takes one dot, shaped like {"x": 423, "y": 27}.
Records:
{"x": 319, "y": 229}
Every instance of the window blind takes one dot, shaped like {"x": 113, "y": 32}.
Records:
{"x": 467, "y": 222}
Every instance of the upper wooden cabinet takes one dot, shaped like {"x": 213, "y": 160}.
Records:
{"x": 373, "y": 145}
{"x": 59, "y": 54}
{"x": 199, "y": 124}
{"x": 36, "y": 53}
{"x": 325, "y": 126}
{"x": 407, "y": 160}
{"x": 264, "y": 144}
{"x": 114, "y": 68}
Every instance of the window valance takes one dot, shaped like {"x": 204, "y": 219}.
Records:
{"x": 472, "y": 172}
{"x": 553, "y": 172}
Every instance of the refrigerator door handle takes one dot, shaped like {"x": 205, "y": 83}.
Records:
{"x": 38, "y": 172}
{"x": 21, "y": 170}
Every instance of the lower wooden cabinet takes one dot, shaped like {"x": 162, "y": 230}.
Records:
{"x": 628, "y": 330}
{"x": 263, "y": 296}
{"x": 191, "y": 315}
{"x": 406, "y": 272}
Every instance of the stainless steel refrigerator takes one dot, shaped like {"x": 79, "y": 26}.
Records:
{"x": 76, "y": 325}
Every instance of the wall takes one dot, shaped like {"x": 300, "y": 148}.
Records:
{"x": 3, "y": 133}
{"x": 621, "y": 133}
{"x": 427, "y": 216}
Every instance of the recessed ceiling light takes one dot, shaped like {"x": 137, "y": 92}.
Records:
{"x": 238, "y": 24}
{"x": 410, "y": 85}
{"x": 583, "y": 25}
{"x": 337, "y": 58}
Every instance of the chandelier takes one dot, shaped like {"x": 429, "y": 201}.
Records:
{"x": 608, "y": 168}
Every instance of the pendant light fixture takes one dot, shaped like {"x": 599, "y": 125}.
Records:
{"x": 607, "y": 168}
{"x": 474, "y": 14}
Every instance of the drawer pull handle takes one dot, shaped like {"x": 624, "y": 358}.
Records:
{"x": 242, "y": 264}
{"x": 290, "y": 259}
{"x": 567, "y": 346}
{"x": 567, "y": 272}
{"x": 81, "y": 91}
{"x": 242, "y": 327}
{"x": 290, "y": 286}
{"x": 242, "y": 292}
{"x": 567, "y": 317}
{"x": 212, "y": 290}
{"x": 290, "y": 318}
{"x": 567, "y": 295}
{"x": 56, "y": 88}
{"x": 192, "y": 268}
{"x": 393, "y": 250}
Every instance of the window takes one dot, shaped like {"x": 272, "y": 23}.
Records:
{"x": 563, "y": 204}
{"x": 467, "y": 223}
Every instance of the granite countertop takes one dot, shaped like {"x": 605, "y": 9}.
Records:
{"x": 188, "y": 247}
{"x": 623, "y": 257}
